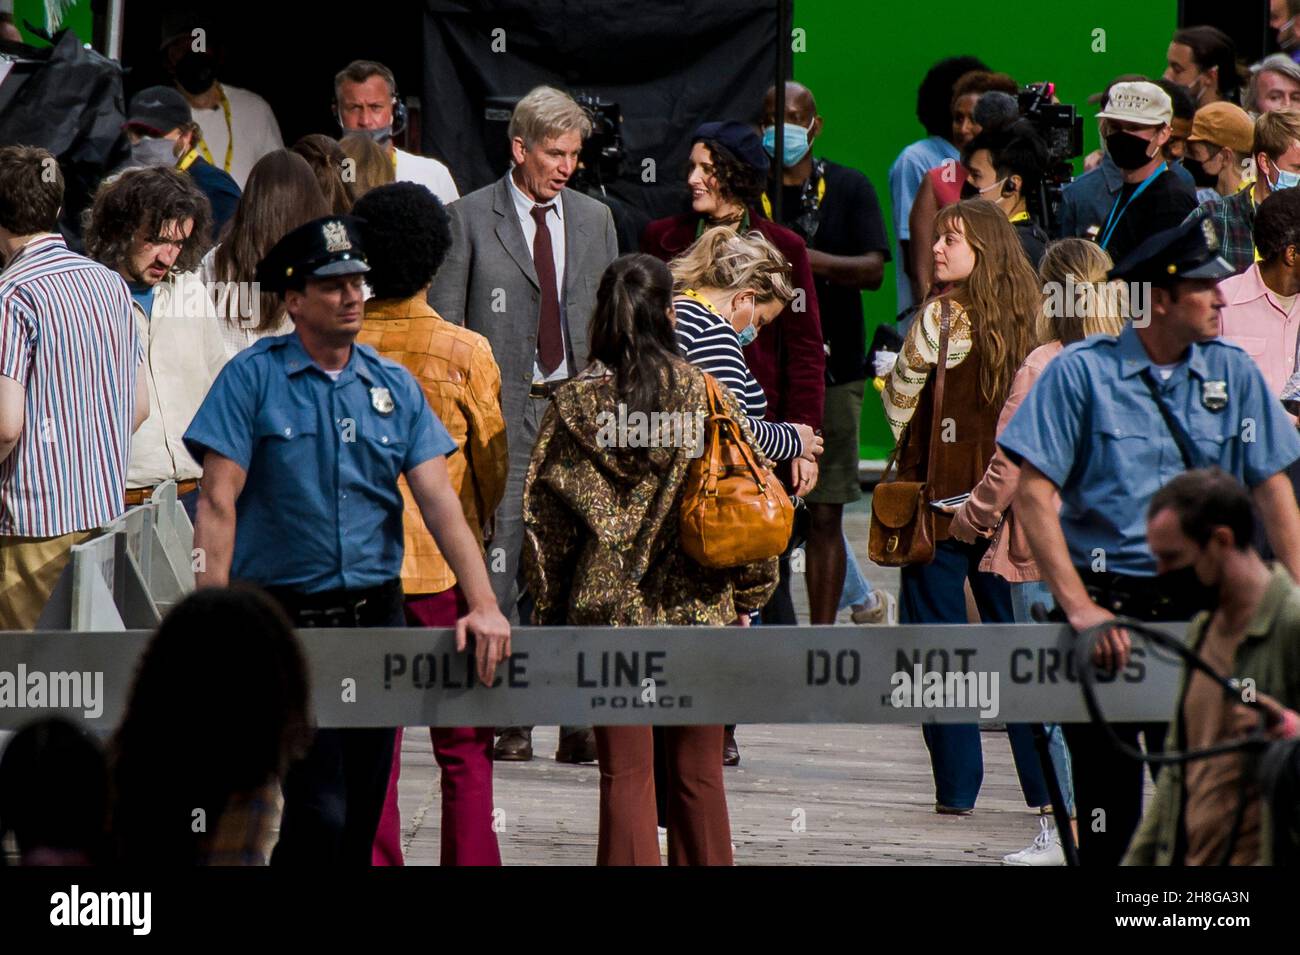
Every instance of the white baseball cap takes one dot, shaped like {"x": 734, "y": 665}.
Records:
{"x": 1138, "y": 102}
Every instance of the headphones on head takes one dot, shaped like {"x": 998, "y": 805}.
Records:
{"x": 400, "y": 114}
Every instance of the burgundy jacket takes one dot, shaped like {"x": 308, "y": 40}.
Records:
{"x": 787, "y": 358}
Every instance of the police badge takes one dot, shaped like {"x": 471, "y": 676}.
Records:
{"x": 1214, "y": 395}
{"x": 381, "y": 400}
{"x": 336, "y": 238}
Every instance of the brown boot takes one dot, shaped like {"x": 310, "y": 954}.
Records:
{"x": 577, "y": 747}
{"x": 514, "y": 745}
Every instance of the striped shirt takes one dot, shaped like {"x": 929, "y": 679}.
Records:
{"x": 919, "y": 356}
{"x": 67, "y": 335}
{"x": 708, "y": 341}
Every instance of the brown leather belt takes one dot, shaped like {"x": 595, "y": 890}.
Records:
{"x": 139, "y": 495}
{"x": 544, "y": 389}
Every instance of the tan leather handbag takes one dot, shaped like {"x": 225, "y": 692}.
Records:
{"x": 902, "y": 522}
{"x": 734, "y": 511}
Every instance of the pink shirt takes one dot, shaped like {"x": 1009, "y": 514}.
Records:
{"x": 1255, "y": 320}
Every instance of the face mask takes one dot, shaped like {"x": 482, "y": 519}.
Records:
{"x": 968, "y": 190}
{"x": 1202, "y": 178}
{"x": 750, "y": 331}
{"x": 1286, "y": 37}
{"x": 1285, "y": 180}
{"x": 1187, "y": 590}
{"x": 196, "y": 72}
{"x": 153, "y": 151}
{"x": 795, "y": 140}
{"x": 1128, "y": 151}
{"x": 380, "y": 134}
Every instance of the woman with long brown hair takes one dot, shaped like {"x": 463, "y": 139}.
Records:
{"x": 281, "y": 194}
{"x": 1078, "y": 303}
{"x": 327, "y": 158}
{"x": 602, "y": 548}
{"x": 992, "y": 307}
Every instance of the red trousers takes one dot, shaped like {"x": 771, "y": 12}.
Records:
{"x": 464, "y": 755}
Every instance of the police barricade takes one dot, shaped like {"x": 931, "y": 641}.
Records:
{"x": 603, "y": 675}
{"x": 82, "y": 656}
{"x": 128, "y": 576}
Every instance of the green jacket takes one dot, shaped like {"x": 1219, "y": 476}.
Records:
{"x": 1269, "y": 655}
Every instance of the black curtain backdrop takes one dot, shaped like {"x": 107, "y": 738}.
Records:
{"x": 669, "y": 66}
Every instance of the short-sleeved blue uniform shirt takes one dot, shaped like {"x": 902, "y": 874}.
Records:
{"x": 1091, "y": 426}
{"x": 320, "y": 509}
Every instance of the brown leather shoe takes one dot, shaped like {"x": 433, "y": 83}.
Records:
{"x": 730, "y": 751}
{"x": 579, "y": 747}
{"x": 514, "y": 745}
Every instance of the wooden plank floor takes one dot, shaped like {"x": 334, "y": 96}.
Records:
{"x": 866, "y": 793}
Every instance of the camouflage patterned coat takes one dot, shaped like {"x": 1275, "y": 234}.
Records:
{"x": 601, "y": 536}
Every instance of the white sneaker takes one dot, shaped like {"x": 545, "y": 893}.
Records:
{"x": 1044, "y": 850}
{"x": 663, "y": 841}
{"x": 884, "y": 612}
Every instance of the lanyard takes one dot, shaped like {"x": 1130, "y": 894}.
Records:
{"x": 821, "y": 195}
{"x": 230, "y": 135}
{"x": 697, "y": 297}
{"x": 188, "y": 160}
{"x": 1116, "y": 213}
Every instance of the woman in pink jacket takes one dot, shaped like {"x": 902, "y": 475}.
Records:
{"x": 1077, "y": 303}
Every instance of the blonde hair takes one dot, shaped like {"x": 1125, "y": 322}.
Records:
{"x": 1083, "y": 265}
{"x": 724, "y": 259}
{"x": 1276, "y": 132}
{"x": 545, "y": 113}
{"x": 371, "y": 166}
{"x": 1000, "y": 296}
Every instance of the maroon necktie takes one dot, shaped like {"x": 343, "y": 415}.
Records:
{"x": 550, "y": 341}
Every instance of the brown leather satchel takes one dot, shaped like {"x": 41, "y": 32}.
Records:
{"x": 734, "y": 511}
{"x": 902, "y": 523}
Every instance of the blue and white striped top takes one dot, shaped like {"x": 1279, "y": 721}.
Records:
{"x": 68, "y": 336}
{"x": 708, "y": 341}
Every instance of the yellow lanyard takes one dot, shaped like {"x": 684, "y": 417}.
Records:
{"x": 230, "y": 136}
{"x": 188, "y": 160}
{"x": 1020, "y": 217}
{"x": 695, "y": 296}
{"x": 821, "y": 194}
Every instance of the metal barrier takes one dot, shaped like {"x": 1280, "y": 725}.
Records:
{"x": 82, "y": 658}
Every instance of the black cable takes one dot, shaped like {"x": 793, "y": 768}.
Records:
{"x": 1256, "y": 740}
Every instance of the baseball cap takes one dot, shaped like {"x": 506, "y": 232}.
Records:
{"x": 158, "y": 110}
{"x": 1224, "y": 124}
{"x": 1138, "y": 102}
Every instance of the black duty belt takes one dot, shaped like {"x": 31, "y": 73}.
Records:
{"x": 363, "y": 607}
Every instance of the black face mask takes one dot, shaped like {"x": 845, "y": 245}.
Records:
{"x": 1128, "y": 151}
{"x": 968, "y": 191}
{"x": 1199, "y": 176}
{"x": 196, "y": 72}
{"x": 1186, "y": 591}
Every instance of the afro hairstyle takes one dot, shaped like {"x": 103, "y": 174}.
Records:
{"x": 406, "y": 235}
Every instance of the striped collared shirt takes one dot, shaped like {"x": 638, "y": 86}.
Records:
{"x": 67, "y": 335}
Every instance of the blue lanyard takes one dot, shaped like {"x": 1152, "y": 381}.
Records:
{"x": 1112, "y": 220}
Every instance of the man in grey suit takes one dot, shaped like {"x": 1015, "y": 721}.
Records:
{"x": 526, "y": 258}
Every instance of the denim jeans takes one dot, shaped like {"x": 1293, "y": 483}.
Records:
{"x": 933, "y": 593}
{"x": 1023, "y": 597}
{"x": 857, "y": 589}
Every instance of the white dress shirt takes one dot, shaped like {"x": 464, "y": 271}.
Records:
{"x": 554, "y": 222}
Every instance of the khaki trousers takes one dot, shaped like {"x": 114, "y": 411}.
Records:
{"x": 29, "y": 569}
{"x": 699, "y": 832}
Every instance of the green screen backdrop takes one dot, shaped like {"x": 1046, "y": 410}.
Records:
{"x": 864, "y": 60}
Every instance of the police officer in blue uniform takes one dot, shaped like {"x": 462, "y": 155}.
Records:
{"x": 303, "y": 437}
{"x": 1109, "y": 422}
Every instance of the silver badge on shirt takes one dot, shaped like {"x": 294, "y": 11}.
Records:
{"x": 1214, "y": 395}
{"x": 381, "y": 400}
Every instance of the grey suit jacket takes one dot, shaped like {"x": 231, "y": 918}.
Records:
{"x": 489, "y": 285}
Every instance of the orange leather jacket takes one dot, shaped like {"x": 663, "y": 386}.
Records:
{"x": 462, "y": 384}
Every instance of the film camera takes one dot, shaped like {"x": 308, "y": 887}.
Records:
{"x": 1061, "y": 128}
{"x": 602, "y": 153}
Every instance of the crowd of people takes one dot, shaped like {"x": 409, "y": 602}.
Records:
{"x": 383, "y": 405}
